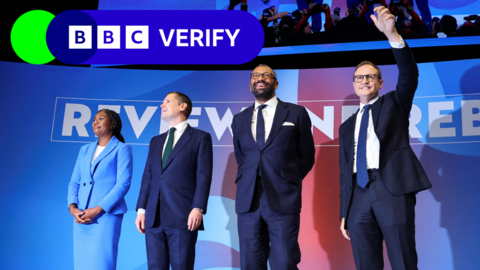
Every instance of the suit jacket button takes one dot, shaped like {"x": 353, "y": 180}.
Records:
{"x": 261, "y": 153}
{"x": 90, "y": 182}
{"x": 84, "y": 184}
{"x": 161, "y": 176}
{"x": 350, "y": 187}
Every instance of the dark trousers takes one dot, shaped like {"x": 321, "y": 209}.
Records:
{"x": 266, "y": 235}
{"x": 166, "y": 246}
{"x": 375, "y": 214}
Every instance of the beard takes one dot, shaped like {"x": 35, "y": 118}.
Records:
{"x": 262, "y": 95}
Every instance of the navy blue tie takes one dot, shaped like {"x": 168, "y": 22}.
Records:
{"x": 362, "y": 173}
{"x": 260, "y": 127}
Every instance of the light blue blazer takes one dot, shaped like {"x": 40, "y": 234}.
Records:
{"x": 106, "y": 181}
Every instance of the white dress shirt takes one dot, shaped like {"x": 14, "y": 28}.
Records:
{"x": 179, "y": 129}
{"x": 373, "y": 144}
{"x": 398, "y": 45}
{"x": 268, "y": 114}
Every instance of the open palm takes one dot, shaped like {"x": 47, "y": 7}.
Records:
{"x": 385, "y": 21}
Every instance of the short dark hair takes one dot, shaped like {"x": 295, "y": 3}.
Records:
{"x": 264, "y": 65}
{"x": 364, "y": 63}
{"x": 449, "y": 24}
{"x": 182, "y": 98}
{"x": 116, "y": 123}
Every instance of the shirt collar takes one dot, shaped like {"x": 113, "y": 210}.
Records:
{"x": 180, "y": 127}
{"x": 271, "y": 103}
{"x": 369, "y": 103}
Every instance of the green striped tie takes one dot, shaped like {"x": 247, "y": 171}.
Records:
{"x": 168, "y": 147}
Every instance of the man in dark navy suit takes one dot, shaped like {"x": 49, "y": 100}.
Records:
{"x": 379, "y": 172}
{"x": 175, "y": 188}
{"x": 274, "y": 150}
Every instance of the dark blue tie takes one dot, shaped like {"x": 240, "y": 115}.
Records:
{"x": 362, "y": 173}
{"x": 260, "y": 127}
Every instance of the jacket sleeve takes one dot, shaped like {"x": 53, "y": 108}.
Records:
{"x": 407, "y": 79}
{"x": 123, "y": 181}
{"x": 146, "y": 179}
{"x": 239, "y": 156}
{"x": 204, "y": 173}
{"x": 74, "y": 184}
{"x": 343, "y": 160}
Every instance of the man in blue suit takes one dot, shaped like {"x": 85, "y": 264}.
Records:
{"x": 274, "y": 150}
{"x": 379, "y": 172}
{"x": 175, "y": 188}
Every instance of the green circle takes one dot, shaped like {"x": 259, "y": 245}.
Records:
{"x": 29, "y": 37}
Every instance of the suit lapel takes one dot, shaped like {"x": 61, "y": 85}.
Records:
{"x": 376, "y": 111}
{"x": 108, "y": 149}
{"x": 186, "y": 136}
{"x": 89, "y": 155}
{"x": 281, "y": 113}
{"x": 247, "y": 123}
{"x": 162, "y": 139}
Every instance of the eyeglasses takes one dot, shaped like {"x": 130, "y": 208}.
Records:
{"x": 264, "y": 75}
{"x": 369, "y": 77}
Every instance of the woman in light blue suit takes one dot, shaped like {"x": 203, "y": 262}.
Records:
{"x": 96, "y": 192}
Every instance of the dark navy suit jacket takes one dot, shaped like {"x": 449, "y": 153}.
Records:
{"x": 170, "y": 194}
{"x": 400, "y": 169}
{"x": 288, "y": 156}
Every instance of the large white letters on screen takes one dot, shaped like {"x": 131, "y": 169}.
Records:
{"x": 195, "y": 111}
{"x": 325, "y": 125}
{"x": 220, "y": 125}
{"x": 469, "y": 117}
{"x": 69, "y": 120}
{"x": 348, "y": 110}
{"x": 435, "y": 118}
{"x": 439, "y": 115}
{"x": 139, "y": 125}
{"x": 415, "y": 117}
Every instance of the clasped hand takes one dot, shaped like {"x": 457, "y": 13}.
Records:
{"x": 86, "y": 216}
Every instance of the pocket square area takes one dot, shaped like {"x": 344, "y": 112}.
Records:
{"x": 288, "y": 124}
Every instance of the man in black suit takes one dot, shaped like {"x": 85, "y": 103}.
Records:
{"x": 379, "y": 172}
{"x": 274, "y": 150}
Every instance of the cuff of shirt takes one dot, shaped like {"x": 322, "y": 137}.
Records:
{"x": 398, "y": 45}
{"x": 199, "y": 209}
{"x": 140, "y": 211}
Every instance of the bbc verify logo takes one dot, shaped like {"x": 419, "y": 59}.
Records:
{"x": 108, "y": 37}
{"x": 149, "y": 37}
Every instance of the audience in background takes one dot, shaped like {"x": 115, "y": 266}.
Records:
{"x": 336, "y": 15}
{"x": 408, "y": 23}
{"x": 294, "y": 28}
